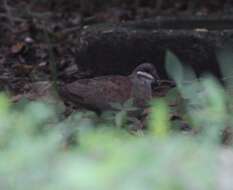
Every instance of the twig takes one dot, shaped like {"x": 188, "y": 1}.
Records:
{"x": 13, "y": 18}
{"x": 227, "y": 78}
{"x": 71, "y": 29}
{"x": 8, "y": 13}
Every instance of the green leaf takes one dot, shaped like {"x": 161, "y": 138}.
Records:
{"x": 4, "y": 104}
{"x": 128, "y": 103}
{"x": 116, "y": 106}
{"x": 174, "y": 67}
{"x": 225, "y": 58}
{"x": 159, "y": 122}
{"x": 120, "y": 118}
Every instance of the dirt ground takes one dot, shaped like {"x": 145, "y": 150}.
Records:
{"x": 39, "y": 38}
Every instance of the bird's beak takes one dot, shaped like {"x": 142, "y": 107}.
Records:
{"x": 156, "y": 82}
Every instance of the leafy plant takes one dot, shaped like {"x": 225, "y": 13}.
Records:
{"x": 121, "y": 114}
{"x": 36, "y": 151}
{"x": 103, "y": 158}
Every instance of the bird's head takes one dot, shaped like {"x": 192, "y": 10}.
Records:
{"x": 146, "y": 72}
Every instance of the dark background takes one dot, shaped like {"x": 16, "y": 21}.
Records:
{"x": 39, "y": 37}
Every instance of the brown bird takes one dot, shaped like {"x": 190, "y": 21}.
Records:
{"x": 98, "y": 93}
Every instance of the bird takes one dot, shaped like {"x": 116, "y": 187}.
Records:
{"x": 99, "y": 93}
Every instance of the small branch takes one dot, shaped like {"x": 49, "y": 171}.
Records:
{"x": 2, "y": 15}
{"x": 8, "y": 13}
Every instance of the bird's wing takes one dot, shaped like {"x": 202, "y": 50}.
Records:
{"x": 101, "y": 91}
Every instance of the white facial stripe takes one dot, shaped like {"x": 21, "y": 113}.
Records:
{"x": 145, "y": 74}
